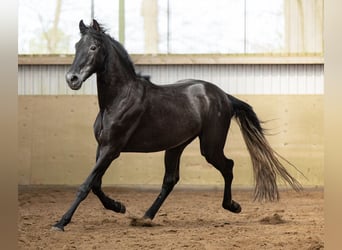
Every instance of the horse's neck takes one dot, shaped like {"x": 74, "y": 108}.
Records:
{"x": 111, "y": 84}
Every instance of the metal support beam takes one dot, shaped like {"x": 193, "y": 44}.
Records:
{"x": 122, "y": 21}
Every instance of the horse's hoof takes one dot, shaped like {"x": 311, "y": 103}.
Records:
{"x": 234, "y": 207}
{"x": 57, "y": 228}
{"x": 122, "y": 208}
{"x": 141, "y": 222}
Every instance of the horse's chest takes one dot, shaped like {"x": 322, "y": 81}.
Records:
{"x": 116, "y": 124}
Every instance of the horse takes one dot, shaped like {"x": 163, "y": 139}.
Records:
{"x": 136, "y": 115}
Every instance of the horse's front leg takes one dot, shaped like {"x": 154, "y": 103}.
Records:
{"x": 106, "y": 156}
{"x": 106, "y": 201}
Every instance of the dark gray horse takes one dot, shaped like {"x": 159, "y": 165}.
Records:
{"x": 138, "y": 116}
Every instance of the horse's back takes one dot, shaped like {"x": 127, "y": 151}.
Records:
{"x": 176, "y": 113}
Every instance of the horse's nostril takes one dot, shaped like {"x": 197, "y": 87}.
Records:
{"x": 74, "y": 78}
{"x": 71, "y": 78}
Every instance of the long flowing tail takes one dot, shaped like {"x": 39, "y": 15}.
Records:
{"x": 266, "y": 164}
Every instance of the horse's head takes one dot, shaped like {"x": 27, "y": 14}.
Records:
{"x": 89, "y": 56}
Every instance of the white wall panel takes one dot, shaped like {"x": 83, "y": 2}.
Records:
{"x": 234, "y": 79}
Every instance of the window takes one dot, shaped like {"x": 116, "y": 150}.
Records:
{"x": 283, "y": 27}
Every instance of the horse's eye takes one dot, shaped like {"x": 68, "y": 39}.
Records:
{"x": 93, "y": 47}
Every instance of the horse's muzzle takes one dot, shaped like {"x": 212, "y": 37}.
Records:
{"x": 74, "y": 80}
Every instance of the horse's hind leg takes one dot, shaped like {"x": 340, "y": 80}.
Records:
{"x": 171, "y": 177}
{"x": 212, "y": 144}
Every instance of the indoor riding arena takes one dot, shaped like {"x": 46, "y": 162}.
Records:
{"x": 268, "y": 54}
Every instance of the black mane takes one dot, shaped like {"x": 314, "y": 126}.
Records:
{"x": 101, "y": 35}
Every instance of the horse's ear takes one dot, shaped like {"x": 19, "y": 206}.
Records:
{"x": 96, "y": 25}
{"x": 83, "y": 27}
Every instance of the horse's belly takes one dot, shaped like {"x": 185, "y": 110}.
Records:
{"x": 154, "y": 139}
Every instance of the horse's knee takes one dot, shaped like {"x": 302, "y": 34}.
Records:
{"x": 170, "y": 181}
{"x": 175, "y": 180}
{"x": 83, "y": 192}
